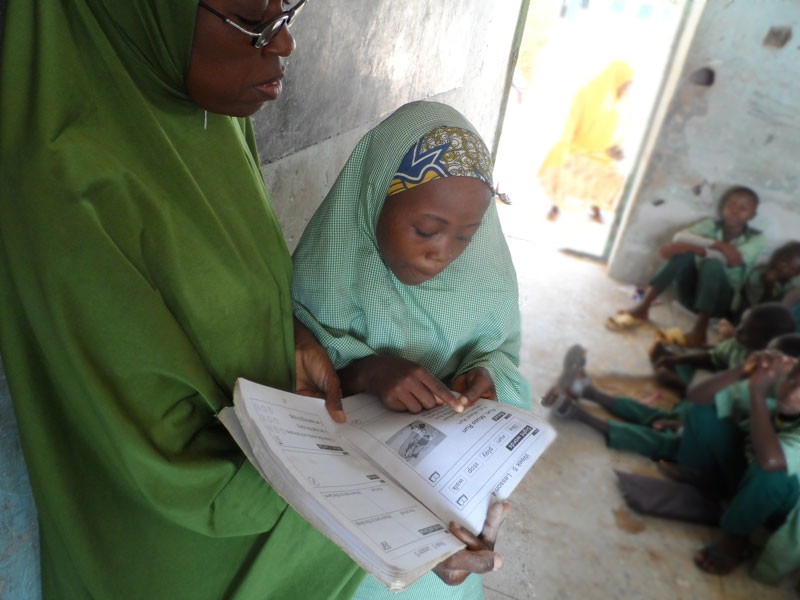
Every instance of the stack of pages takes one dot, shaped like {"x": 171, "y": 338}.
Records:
{"x": 385, "y": 485}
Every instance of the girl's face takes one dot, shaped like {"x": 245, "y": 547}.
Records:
{"x": 787, "y": 268}
{"x": 227, "y": 75}
{"x": 738, "y": 210}
{"x": 422, "y": 230}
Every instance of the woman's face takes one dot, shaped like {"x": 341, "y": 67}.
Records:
{"x": 227, "y": 75}
{"x": 422, "y": 230}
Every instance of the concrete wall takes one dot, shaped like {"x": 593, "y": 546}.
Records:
{"x": 742, "y": 129}
{"x": 354, "y": 67}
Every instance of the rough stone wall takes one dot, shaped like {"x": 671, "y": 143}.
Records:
{"x": 740, "y": 128}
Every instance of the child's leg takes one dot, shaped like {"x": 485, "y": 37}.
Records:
{"x": 713, "y": 445}
{"x": 713, "y": 296}
{"x": 680, "y": 265}
{"x": 762, "y": 498}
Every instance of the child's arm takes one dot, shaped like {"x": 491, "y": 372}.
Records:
{"x": 766, "y": 447}
{"x": 402, "y": 385}
{"x": 706, "y": 391}
{"x": 701, "y": 360}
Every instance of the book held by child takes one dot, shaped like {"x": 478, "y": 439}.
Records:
{"x": 384, "y": 485}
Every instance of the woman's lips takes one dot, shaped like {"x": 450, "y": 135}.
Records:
{"x": 271, "y": 89}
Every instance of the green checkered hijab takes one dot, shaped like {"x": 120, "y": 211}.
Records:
{"x": 467, "y": 316}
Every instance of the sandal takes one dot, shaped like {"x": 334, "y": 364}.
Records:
{"x": 572, "y": 367}
{"x": 624, "y": 322}
{"x": 671, "y": 335}
{"x": 715, "y": 560}
{"x": 560, "y": 404}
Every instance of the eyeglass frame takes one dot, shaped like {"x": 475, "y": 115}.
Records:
{"x": 271, "y": 28}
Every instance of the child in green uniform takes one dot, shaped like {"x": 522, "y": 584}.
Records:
{"x": 675, "y": 369}
{"x": 741, "y": 436}
{"x": 756, "y": 461}
{"x": 404, "y": 274}
{"x": 772, "y": 281}
{"x": 637, "y": 426}
{"x": 708, "y": 262}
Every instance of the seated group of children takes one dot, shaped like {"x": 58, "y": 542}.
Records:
{"x": 736, "y": 430}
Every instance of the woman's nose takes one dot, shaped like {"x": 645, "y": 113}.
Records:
{"x": 282, "y": 44}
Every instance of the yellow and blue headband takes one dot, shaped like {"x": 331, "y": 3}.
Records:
{"x": 443, "y": 152}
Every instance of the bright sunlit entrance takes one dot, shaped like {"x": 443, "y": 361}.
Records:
{"x": 574, "y": 125}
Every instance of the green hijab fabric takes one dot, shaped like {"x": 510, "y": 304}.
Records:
{"x": 465, "y": 317}
{"x": 142, "y": 270}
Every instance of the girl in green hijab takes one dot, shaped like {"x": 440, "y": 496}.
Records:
{"x": 142, "y": 270}
{"x": 404, "y": 275}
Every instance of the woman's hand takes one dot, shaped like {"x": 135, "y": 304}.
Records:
{"x": 475, "y": 383}
{"x": 316, "y": 376}
{"x": 479, "y": 555}
{"x": 402, "y": 385}
{"x": 733, "y": 258}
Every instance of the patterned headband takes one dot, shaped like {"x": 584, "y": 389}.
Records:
{"x": 443, "y": 152}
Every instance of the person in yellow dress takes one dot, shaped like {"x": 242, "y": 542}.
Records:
{"x": 582, "y": 163}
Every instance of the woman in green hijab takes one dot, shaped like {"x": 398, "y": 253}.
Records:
{"x": 142, "y": 270}
{"x": 404, "y": 275}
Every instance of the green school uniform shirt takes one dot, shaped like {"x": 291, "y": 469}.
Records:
{"x": 728, "y": 354}
{"x": 754, "y": 287}
{"x": 142, "y": 270}
{"x": 750, "y": 244}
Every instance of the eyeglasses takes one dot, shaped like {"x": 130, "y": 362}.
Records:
{"x": 266, "y": 32}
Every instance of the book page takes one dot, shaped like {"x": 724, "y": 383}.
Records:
{"x": 456, "y": 464}
{"x": 332, "y": 486}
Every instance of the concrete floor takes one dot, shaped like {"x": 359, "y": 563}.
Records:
{"x": 570, "y": 534}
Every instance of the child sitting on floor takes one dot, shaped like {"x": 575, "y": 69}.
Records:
{"x": 760, "y": 324}
{"x": 770, "y": 282}
{"x": 742, "y": 435}
{"x": 404, "y": 275}
{"x": 637, "y": 428}
{"x": 708, "y": 262}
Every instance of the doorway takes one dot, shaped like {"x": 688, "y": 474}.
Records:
{"x": 564, "y": 45}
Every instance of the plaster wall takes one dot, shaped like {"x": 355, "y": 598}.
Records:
{"x": 742, "y": 129}
{"x": 352, "y": 68}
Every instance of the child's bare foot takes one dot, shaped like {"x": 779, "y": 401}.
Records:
{"x": 722, "y": 556}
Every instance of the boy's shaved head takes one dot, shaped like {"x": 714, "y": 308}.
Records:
{"x": 764, "y": 322}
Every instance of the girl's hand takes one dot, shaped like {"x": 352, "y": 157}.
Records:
{"x": 768, "y": 366}
{"x": 479, "y": 555}
{"x": 403, "y": 385}
{"x": 733, "y": 258}
{"x": 475, "y": 383}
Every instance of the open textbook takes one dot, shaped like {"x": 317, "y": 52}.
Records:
{"x": 385, "y": 485}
